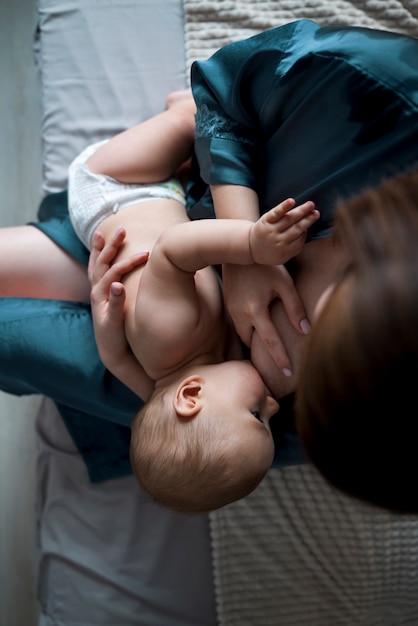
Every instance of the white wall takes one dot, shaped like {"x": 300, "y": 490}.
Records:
{"x": 20, "y": 173}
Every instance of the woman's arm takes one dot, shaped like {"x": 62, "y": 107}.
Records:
{"x": 34, "y": 266}
{"x": 249, "y": 291}
{"x": 233, "y": 92}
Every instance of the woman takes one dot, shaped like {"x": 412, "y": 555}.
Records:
{"x": 314, "y": 112}
{"x": 324, "y": 113}
{"x": 356, "y": 391}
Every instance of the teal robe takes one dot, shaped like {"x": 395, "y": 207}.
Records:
{"x": 307, "y": 111}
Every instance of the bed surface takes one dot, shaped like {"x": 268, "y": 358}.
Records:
{"x": 295, "y": 552}
{"x": 104, "y": 66}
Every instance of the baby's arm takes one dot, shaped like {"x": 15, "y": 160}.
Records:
{"x": 273, "y": 239}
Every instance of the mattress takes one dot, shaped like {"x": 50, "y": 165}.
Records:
{"x": 295, "y": 552}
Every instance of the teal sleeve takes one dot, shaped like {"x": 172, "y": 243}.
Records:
{"x": 48, "y": 348}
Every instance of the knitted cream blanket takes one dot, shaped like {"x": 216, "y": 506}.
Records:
{"x": 211, "y": 24}
{"x": 296, "y": 552}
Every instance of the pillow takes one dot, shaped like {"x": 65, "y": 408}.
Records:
{"x": 101, "y": 72}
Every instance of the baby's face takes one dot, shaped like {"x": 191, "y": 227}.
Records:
{"x": 245, "y": 405}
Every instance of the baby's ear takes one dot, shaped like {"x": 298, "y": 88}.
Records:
{"x": 188, "y": 397}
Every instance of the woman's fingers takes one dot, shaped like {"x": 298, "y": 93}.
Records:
{"x": 103, "y": 254}
{"x": 116, "y": 308}
{"x": 116, "y": 272}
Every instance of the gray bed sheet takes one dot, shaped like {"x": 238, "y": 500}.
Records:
{"x": 107, "y": 555}
{"x": 104, "y": 65}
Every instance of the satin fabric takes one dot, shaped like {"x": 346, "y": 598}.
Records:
{"x": 308, "y": 111}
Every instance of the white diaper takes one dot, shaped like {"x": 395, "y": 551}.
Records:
{"x": 92, "y": 197}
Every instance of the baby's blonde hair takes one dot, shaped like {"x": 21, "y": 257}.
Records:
{"x": 188, "y": 464}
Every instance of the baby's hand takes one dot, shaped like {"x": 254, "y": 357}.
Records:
{"x": 280, "y": 234}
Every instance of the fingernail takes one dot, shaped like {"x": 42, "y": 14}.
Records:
{"x": 305, "y": 326}
{"x": 116, "y": 289}
{"x": 287, "y": 372}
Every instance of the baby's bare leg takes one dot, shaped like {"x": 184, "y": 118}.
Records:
{"x": 153, "y": 150}
{"x": 177, "y": 96}
{"x": 33, "y": 266}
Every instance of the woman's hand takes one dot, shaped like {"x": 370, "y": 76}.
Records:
{"x": 248, "y": 292}
{"x": 108, "y": 293}
{"x": 108, "y": 309}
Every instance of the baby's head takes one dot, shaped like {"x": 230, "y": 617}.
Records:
{"x": 204, "y": 441}
{"x": 357, "y": 396}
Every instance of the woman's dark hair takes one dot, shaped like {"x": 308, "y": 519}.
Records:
{"x": 356, "y": 403}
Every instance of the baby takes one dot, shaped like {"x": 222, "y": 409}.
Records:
{"x": 202, "y": 440}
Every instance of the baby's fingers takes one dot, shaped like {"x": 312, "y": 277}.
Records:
{"x": 286, "y": 214}
{"x": 280, "y": 211}
{"x": 304, "y": 219}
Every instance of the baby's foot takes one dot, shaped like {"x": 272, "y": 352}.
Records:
{"x": 174, "y": 97}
